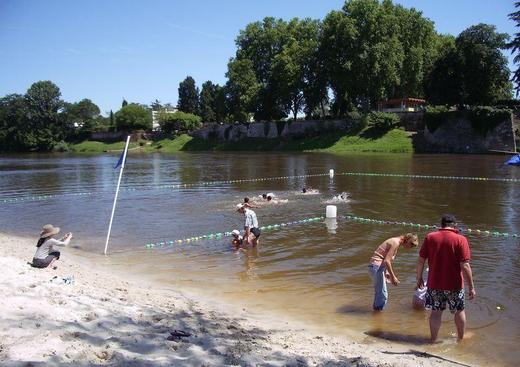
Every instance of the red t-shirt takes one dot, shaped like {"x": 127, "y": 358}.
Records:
{"x": 445, "y": 249}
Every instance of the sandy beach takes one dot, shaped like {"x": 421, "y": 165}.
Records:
{"x": 84, "y": 314}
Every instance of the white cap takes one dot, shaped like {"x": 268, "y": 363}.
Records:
{"x": 235, "y": 232}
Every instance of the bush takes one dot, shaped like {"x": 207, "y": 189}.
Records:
{"x": 483, "y": 118}
{"x": 435, "y": 116}
{"x": 133, "y": 117}
{"x": 382, "y": 121}
{"x": 61, "y": 147}
{"x": 180, "y": 121}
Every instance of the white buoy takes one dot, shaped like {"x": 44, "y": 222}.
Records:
{"x": 331, "y": 224}
{"x": 331, "y": 211}
{"x": 331, "y": 173}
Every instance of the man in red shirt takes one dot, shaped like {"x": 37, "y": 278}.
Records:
{"x": 448, "y": 257}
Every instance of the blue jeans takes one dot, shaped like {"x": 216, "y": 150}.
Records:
{"x": 377, "y": 273}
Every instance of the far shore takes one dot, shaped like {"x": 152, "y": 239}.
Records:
{"x": 102, "y": 318}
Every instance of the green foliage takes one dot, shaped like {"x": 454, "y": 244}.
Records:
{"x": 382, "y": 121}
{"x": 188, "y": 96}
{"x": 61, "y": 147}
{"x": 242, "y": 89}
{"x": 514, "y": 45}
{"x": 133, "y": 117}
{"x": 83, "y": 116}
{"x": 483, "y": 119}
{"x": 208, "y": 97}
{"x": 435, "y": 116}
{"x": 178, "y": 121}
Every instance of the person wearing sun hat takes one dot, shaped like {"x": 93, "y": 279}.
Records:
{"x": 251, "y": 230}
{"x": 46, "y": 248}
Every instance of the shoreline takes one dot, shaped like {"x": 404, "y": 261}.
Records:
{"x": 107, "y": 318}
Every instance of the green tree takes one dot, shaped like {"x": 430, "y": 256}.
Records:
{"x": 444, "y": 82}
{"x": 485, "y": 75}
{"x": 178, "y": 122}
{"x": 208, "y": 95}
{"x": 221, "y": 104}
{"x": 188, "y": 96}
{"x": 43, "y": 101}
{"x": 83, "y": 115}
{"x": 133, "y": 117}
{"x": 514, "y": 45}
{"x": 156, "y": 105}
{"x": 259, "y": 43}
{"x": 292, "y": 73}
{"x": 242, "y": 89}
{"x": 15, "y": 131}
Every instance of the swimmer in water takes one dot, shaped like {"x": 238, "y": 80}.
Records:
{"x": 310, "y": 191}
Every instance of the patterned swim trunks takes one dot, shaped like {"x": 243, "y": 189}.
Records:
{"x": 436, "y": 300}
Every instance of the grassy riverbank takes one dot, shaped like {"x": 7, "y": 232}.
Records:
{"x": 394, "y": 141}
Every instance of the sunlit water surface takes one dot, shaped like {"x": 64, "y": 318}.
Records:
{"x": 309, "y": 272}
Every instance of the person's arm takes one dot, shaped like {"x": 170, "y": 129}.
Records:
{"x": 420, "y": 269}
{"x": 64, "y": 241}
{"x": 388, "y": 262}
{"x": 468, "y": 275}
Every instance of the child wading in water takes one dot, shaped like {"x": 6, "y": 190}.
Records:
{"x": 380, "y": 267}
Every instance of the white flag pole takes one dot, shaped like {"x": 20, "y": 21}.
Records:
{"x": 117, "y": 192}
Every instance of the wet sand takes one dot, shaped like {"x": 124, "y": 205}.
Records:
{"x": 108, "y": 318}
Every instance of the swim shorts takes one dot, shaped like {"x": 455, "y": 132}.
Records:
{"x": 43, "y": 263}
{"x": 436, "y": 300}
{"x": 255, "y": 231}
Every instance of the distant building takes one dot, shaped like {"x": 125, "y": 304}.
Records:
{"x": 156, "y": 113}
{"x": 401, "y": 105}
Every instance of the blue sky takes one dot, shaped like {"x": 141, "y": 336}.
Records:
{"x": 141, "y": 50}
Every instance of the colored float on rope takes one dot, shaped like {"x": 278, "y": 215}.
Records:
{"x": 220, "y": 235}
{"x": 210, "y": 183}
{"x": 430, "y": 226}
{"x": 150, "y": 188}
{"x": 496, "y": 179}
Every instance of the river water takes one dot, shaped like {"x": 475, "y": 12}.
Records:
{"x": 311, "y": 272}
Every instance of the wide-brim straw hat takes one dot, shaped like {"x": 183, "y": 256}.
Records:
{"x": 49, "y": 230}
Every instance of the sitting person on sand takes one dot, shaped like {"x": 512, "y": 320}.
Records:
{"x": 47, "y": 252}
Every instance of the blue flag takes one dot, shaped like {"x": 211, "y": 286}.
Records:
{"x": 514, "y": 161}
{"x": 120, "y": 161}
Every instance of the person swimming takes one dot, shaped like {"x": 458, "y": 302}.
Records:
{"x": 310, "y": 191}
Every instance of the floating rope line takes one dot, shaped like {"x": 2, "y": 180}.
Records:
{"x": 430, "y": 226}
{"x": 212, "y": 183}
{"x": 43, "y": 197}
{"x": 220, "y": 235}
{"x": 469, "y": 178}
{"x": 159, "y": 187}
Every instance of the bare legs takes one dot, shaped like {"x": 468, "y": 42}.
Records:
{"x": 435, "y": 324}
{"x": 460, "y": 322}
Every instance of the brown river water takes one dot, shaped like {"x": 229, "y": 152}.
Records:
{"x": 313, "y": 272}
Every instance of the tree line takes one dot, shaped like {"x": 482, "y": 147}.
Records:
{"x": 367, "y": 52}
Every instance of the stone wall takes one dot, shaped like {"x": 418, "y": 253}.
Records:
{"x": 455, "y": 136}
{"x": 269, "y": 130}
{"x": 458, "y": 136}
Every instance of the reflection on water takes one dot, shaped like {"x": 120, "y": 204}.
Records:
{"x": 315, "y": 272}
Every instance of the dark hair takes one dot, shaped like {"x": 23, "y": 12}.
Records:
{"x": 246, "y": 200}
{"x": 447, "y": 220}
{"x": 269, "y": 198}
{"x": 264, "y": 196}
{"x": 304, "y": 190}
{"x": 41, "y": 241}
